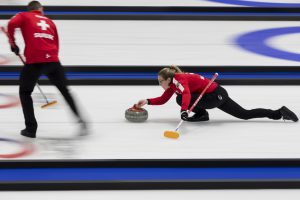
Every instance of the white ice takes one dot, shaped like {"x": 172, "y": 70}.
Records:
{"x": 192, "y": 43}
{"x": 157, "y": 194}
{"x": 112, "y": 137}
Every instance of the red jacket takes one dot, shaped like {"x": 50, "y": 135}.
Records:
{"x": 40, "y": 36}
{"x": 184, "y": 84}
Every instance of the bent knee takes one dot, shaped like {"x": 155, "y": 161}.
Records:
{"x": 179, "y": 99}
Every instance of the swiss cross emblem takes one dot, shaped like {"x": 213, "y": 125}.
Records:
{"x": 43, "y": 25}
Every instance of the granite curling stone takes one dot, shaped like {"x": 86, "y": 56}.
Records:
{"x": 136, "y": 114}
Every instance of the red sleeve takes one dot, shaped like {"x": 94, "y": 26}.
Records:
{"x": 15, "y": 22}
{"x": 181, "y": 83}
{"x": 163, "y": 98}
{"x": 56, "y": 35}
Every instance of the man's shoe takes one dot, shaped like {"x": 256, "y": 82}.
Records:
{"x": 83, "y": 128}
{"x": 26, "y": 133}
{"x": 199, "y": 117}
{"x": 287, "y": 114}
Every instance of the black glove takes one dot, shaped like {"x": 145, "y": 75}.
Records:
{"x": 15, "y": 49}
{"x": 184, "y": 115}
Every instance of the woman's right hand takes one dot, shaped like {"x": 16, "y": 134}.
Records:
{"x": 141, "y": 103}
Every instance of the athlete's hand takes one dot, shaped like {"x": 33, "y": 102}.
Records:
{"x": 184, "y": 115}
{"x": 15, "y": 49}
{"x": 141, "y": 103}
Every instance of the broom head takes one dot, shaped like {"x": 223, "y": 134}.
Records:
{"x": 51, "y": 103}
{"x": 171, "y": 134}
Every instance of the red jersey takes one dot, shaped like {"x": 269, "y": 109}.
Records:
{"x": 40, "y": 36}
{"x": 184, "y": 84}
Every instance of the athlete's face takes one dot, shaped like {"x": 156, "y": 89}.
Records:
{"x": 164, "y": 83}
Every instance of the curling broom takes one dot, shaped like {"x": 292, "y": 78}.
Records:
{"x": 175, "y": 134}
{"x": 48, "y": 103}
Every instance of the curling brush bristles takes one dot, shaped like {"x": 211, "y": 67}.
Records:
{"x": 49, "y": 104}
{"x": 171, "y": 134}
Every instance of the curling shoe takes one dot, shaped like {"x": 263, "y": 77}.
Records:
{"x": 287, "y": 114}
{"x": 199, "y": 117}
{"x": 28, "y": 134}
{"x": 83, "y": 131}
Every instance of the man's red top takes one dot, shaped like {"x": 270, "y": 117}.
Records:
{"x": 184, "y": 84}
{"x": 40, "y": 36}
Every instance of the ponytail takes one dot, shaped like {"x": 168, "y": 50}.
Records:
{"x": 169, "y": 72}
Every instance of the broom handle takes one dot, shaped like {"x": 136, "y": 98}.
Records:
{"x": 199, "y": 98}
{"x": 38, "y": 86}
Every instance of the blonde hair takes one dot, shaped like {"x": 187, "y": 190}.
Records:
{"x": 169, "y": 72}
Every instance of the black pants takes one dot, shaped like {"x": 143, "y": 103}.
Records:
{"x": 28, "y": 79}
{"x": 220, "y": 99}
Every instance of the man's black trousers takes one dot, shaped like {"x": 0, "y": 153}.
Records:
{"x": 28, "y": 79}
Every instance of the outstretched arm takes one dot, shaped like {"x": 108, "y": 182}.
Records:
{"x": 158, "y": 100}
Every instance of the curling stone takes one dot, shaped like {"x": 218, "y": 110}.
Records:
{"x": 135, "y": 114}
